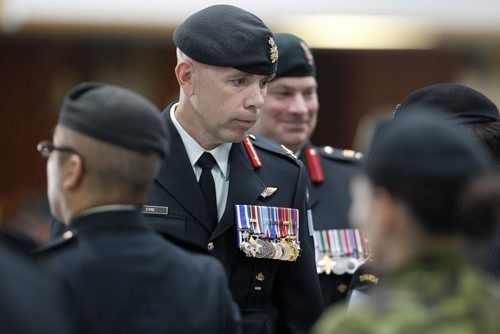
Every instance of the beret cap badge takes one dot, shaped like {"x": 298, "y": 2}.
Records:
{"x": 307, "y": 53}
{"x": 273, "y": 50}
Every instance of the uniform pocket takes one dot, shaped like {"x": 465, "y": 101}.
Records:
{"x": 262, "y": 282}
{"x": 169, "y": 224}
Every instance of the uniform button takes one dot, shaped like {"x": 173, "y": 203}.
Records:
{"x": 210, "y": 246}
{"x": 67, "y": 235}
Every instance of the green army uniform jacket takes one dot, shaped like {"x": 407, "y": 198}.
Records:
{"x": 435, "y": 295}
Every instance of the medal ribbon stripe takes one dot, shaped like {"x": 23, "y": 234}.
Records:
{"x": 289, "y": 220}
{"x": 296, "y": 222}
{"x": 266, "y": 217}
{"x": 346, "y": 242}
{"x": 274, "y": 219}
{"x": 352, "y": 243}
{"x": 328, "y": 241}
{"x": 338, "y": 248}
{"x": 359, "y": 244}
{"x": 248, "y": 212}
{"x": 260, "y": 221}
{"x": 343, "y": 250}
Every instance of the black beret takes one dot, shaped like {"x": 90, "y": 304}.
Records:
{"x": 425, "y": 150}
{"x": 465, "y": 104}
{"x": 229, "y": 36}
{"x": 115, "y": 115}
{"x": 296, "y": 59}
{"x": 428, "y": 163}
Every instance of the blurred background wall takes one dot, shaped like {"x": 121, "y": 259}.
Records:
{"x": 369, "y": 54}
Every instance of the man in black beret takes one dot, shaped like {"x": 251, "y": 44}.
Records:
{"x": 123, "y": 276}
{"x": 240, "y": 197}
{"x": 289, "y": 117}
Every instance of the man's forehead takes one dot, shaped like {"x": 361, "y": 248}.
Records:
{"x": 234, "y": 72}
{"x": 293, "y": 83}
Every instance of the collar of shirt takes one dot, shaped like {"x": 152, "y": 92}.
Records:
{"x": 194, "y": 150}
{"x": 106, "y": 208}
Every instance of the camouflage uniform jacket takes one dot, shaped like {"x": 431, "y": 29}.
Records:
{"x": 438, "y": 295}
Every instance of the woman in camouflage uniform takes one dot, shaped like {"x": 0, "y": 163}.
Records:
{"x": 426, "y": 188}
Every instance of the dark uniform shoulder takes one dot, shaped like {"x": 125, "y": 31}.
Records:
{"x": 67, "y": 238}
{"x": 281, "y": 151}
{"x": 338, "y": 154}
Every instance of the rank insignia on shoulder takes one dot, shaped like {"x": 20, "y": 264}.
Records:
{"x": 369, "y": 278}
{"x": 328, "y": 149}
{"x": 268, "y": 192}
{"x": 288, "y": 151}
{"x": 252, "y": 153}
{"x": 314, "y": 165}
{"x": 352, "y": 154}
{"x": 64, "y": 239}
{"x": 68, "y": 235}
{"x": 268, "y": 232}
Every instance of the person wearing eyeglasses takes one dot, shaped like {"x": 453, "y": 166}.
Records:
{"x": 123, "y": 277}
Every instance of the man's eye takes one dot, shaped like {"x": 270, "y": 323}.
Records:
{"x": 238, "y": 82}
{"x": 283, "y": 94}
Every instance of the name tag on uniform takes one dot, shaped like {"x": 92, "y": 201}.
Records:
{"x": 155, "y": 210}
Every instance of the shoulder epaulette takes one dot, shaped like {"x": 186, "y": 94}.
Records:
{"x": 368, "y": 278}
{"x": 339, "y": 154}
{"x": 65, "y": 239}
{"x": 267, "y": 145}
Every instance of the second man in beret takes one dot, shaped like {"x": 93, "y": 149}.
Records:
{"x": 289, "y": 117}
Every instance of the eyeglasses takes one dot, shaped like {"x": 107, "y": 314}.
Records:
{"x": 46, "y": 147}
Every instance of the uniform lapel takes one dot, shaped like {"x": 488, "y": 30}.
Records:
{"x": 177, "y": 177}
{"x": 245, "y": 186}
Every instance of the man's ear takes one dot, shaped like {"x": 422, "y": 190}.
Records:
{"x": 73, "y": 172}
{"x": 184, "y": 73}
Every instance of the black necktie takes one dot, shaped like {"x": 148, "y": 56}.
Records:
{"x": 207, "y": 185}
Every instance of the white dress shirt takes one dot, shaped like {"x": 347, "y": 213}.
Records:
{"x": 220, "y": 171}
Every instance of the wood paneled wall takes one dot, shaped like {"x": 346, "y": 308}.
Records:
{"x": 36, "y": 72}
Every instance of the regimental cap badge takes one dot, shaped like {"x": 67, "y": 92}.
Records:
{"x": 307, "y": 53}
{"x": 273, "y": 50}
